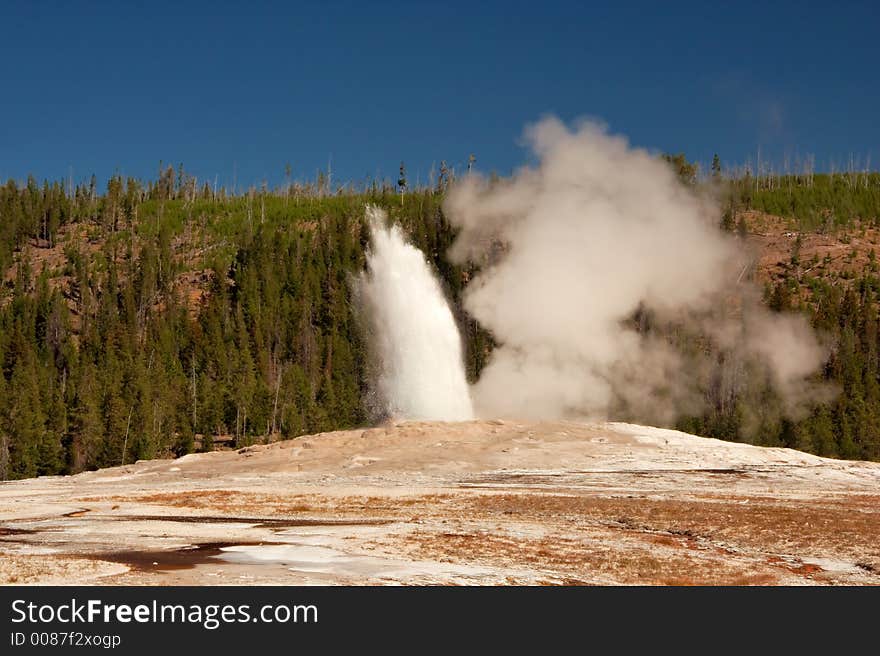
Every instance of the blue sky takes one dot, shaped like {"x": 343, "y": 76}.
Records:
{"x": 236, "y": 90}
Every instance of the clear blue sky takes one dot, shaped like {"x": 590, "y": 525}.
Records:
{"x": 242, "y": 88}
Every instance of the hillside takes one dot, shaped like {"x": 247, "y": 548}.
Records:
{"x": 470, "y": 503}
{"x": 165, "y": 317}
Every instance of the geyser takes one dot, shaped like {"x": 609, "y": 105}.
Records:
{"x": 416, "y": 354}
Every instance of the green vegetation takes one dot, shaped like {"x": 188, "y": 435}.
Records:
{"x": 179, "y": 313}
{"x": 817, "y": 201}
{"x": 745, "y": 407}
{"x": 156, "y": 318}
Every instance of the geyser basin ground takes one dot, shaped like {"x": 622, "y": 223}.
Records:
{"x": 480, "y": 502}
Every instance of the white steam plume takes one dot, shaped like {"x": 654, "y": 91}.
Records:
{"x": 416, "y": 354}
{"x": 571, "y": 249}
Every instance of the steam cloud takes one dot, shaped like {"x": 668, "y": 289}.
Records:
{"x": 573, "y": 249}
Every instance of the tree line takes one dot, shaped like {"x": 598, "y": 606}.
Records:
{"x": 151, "y": 319}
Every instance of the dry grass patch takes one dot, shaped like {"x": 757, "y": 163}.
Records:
{"x": 580, "y": 561}
{"x": 236, "y": 502}
{"x": 847, "y": 526}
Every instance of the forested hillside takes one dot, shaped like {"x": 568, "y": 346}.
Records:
{"x": 153, "y": 319}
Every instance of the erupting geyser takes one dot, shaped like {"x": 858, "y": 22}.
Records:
{"x": 416, "y": 348}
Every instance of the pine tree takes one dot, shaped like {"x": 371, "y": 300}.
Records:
{"x": 716, "y": 167}
{"x": 823, "y": 432}
{"x": 685, "y": 170}
{"x": 5, "y": 434}
{"x": 25, "y": 421}
{"x": 401, "y": 182}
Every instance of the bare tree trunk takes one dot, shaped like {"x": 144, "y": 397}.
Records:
{"x": 194, "y": 396}
{"x": 127, "y": 426}
{"x": 275, "y": 405}
{"x": 4, "y": 457}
